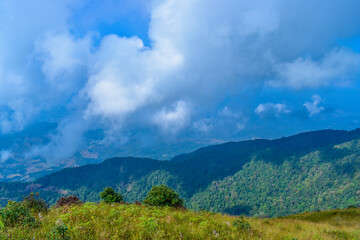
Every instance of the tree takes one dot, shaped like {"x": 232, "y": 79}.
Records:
{"x": 67, "y": 201}
{"x": 16, "y": 214}
{"x": 163, "y": 196}
{"x": 109, "y": 195}
{"x": 35, "y": 204}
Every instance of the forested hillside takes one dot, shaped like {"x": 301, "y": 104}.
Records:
{"x": 305, "y": 172}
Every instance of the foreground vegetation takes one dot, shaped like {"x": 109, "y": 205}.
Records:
{"x": 131, "y": 221}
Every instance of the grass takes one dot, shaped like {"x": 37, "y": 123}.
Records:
{"x": 130, "y": 221}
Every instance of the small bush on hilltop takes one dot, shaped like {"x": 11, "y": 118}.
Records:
{"x": 67, "y": 201}
{"x": 242, "y": 224}
{"x": 15, "y": 214}
{"x": 163, "y": 196}
{"x": 59, "y": 232}
{"x": 35, "y": 204}
{"x": 108, "y": 195}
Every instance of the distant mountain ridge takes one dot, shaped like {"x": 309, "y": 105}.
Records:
{"x": 307, "y": 171}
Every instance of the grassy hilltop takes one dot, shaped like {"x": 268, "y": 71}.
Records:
{"x": 124, "y": 221}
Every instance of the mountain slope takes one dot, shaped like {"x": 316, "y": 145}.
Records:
{"x": 308, "y": 171}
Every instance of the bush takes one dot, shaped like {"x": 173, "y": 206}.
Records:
{"x": 163, "y": 196}
{"x": 110, "y": 196}
{"x": 242, "y": 224}
{"x": 59, "y": 232}
{"x": 16, "y": 213}
{"x": 67, "y": 201}
{"x": 35, "y": 204}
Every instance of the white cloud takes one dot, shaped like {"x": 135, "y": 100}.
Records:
{"x": 271, "y": 109}
{"x": 201, "y": 51}
{"x": 335, "y": 68}
{"x": 227, "y": 112}
{"x": 19, "y": 115}
{"x": 61, "y": 54}
{"x": 125, "y": 76}
{"x": 5, "y": 155}
{"x": 64, "y": 143}
{"x": 172, "y": 121}
{"x": 204, "y": 125}
{"x": 313, "y": 107}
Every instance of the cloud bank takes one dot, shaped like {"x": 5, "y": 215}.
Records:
{"x": 200, "y": 60}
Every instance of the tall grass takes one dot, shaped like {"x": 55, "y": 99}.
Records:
{"x": 130, "y": 221}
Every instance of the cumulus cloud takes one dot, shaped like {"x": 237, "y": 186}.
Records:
{"x": 125, "y": 76}
{"x": 173, "y": 120}
{"x": 337, "y": 67}
{"x": 21, "y": 23}
{"x": 271, "y": 109}
{"x": 62, "y": 54}
{"x": 313, "y": 107}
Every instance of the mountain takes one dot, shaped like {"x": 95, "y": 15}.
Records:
{"x": 305, "y": 172}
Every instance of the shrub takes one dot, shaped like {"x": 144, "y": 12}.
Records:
{"x": 16, "y": 213}
{"x": 163, "y": 196}
{"x": 109, "y": 195}
{"x": 60, "y": 231}
{"x": 67, "y": 201}
{"x": 35, "y": 204}
{"x": 242, "y": 224}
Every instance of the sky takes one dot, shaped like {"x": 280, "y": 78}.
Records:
{"x": 170, "y": 71}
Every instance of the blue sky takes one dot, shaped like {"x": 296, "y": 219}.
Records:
{"x": 170, "y": 71}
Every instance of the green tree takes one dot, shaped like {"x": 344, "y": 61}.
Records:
{"x": 163, "y": 196}
{"x": 35, "y": 204}
{"x": 16, "y": 213}
{"x": 109, "y": 195}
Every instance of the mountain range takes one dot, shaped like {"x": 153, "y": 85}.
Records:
{"x": 305, "y": 172}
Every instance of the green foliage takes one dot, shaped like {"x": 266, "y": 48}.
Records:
{"x": 241, "y": 224}
{"x": 306, "y": 183}
{"x": 131, "y": 221}
{"x": 16, "y": 213}
{"x": 123, "y": 221}
{"x": 35, "y": 204}
{"x": 59, "y": 232}
{"x": 163, "y": 196}
{"x": 67, "y": 201}
{"x": 108, "y": 195}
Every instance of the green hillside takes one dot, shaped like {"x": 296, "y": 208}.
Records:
{"x": 306, "y": 172}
